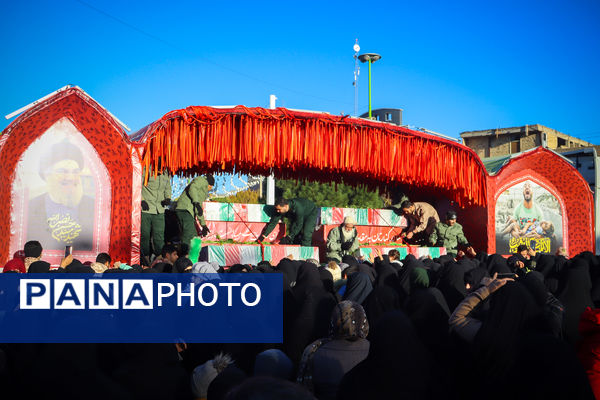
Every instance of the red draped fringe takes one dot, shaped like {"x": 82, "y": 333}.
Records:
{"x": 317, "y": 146}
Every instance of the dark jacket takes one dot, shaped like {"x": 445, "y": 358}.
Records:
{"x": 300, "y": 209}
{"x": 55, "y": 230}
{"x": 588, "y": 349}
{"x": 332, "y": 361}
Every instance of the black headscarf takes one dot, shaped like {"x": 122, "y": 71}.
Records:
{"x": 307, "y": 280}
{"x": 552, "y": 371}
{"x": 516, "y": 258}
{"x": 39, "y": 267}
{"x": 77, "y": 267}
{"x": 358, "y": 287}
{"x": 429, "y": 313}
{"x": 497, "y": 264}
{"x": 534, "y": 282}
{"x": 137, "y": 268}
{"x": 481, "y": 257}
{"x": 545, "y": 264}
{"x": 398, "y": 365}
{"x": 387, "y": 276}
{"x": 575, "y": 296}
{"x": 239, "y": 269}
{"x": 594, "y": 265}
{"x": 163, "y": 267}
{"x": 381, "y": 300}
{"x": 289, "y": 269}
{"x": 551, "y": 320}
{"x": 474, "y": 277}
{"x": 512, "y": 308}
{"x": 445, "y": 259}
{"x": 410, "y": 263}
{"x": 307, "y": 317}
{"x": 468, "y": 264}
{"x": 265, "y": 267}
{"x": 350, "y": 260}
{"x": 228, "y": 379}
{"x": 555, "y": 281}
{"x": 452, "y": 284}
{"x": 370, "y": 271}
{"x": 595, "y": 292}
{"x": 560, "y": 263}
{"x": 181, "y": 264}
{"x": 327, "y": 280}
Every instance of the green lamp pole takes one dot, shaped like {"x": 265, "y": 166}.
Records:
{"x": 370, "y": 58}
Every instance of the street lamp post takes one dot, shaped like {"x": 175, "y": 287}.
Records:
{"x": 370, "y": 58}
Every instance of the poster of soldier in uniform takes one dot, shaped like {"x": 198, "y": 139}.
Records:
{"x": 528, "y": 214}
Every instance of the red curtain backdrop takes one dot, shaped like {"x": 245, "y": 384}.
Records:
{"x": 312, "y": 145}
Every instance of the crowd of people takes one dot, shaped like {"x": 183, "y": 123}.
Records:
{"x": 470, "y": 327}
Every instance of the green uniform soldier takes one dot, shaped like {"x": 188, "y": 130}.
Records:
{"x": 156, "y": 195}
{"x": 449, "y": 234}
{"x": 303, "y": 215}
{"x": 189, "y": 206}
{"x": 343, "y": 240}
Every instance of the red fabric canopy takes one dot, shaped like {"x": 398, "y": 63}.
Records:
{"x": 311, "y": 145}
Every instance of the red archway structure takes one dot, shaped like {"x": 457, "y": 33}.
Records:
{"x": 567, "y": 196}
{"x": 102, "y": 141}
{"x": 314, "y": 145}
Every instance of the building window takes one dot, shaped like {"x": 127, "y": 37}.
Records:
{"x": 560, "y": 142}
{"x": 515, "y": 146}
{"x": 388, "y": 116}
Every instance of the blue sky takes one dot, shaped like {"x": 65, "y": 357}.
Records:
{"x": 452, "y": 66}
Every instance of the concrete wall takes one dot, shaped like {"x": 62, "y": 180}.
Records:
{"x": 530, "y": 141}
{"x": 500, "y": 146}
{"x": 529, "y": 137}
{"x": 552, "y": 141}
{"x": 479, "y": 145}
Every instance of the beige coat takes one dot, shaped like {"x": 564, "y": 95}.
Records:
{"x": 461, "y": 322}
{"x": 422, "y": 219}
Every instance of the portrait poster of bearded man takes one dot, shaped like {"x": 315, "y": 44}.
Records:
{"x": 64, "y": 214}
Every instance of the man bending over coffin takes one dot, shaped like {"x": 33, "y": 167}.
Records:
{"x": 302, "y": 214}
{"x": 422, "y": 218}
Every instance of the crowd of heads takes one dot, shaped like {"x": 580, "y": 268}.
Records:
{"x": 388, "y": 327}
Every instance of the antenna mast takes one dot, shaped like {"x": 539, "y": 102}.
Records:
{"x": 356, "y": 73}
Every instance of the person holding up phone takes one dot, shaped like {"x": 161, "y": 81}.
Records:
{"x": 524, "y": 261}
{"x": 461, "y": 322}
